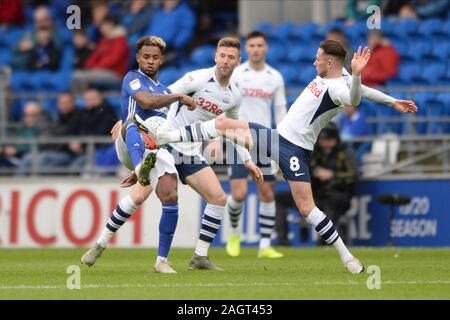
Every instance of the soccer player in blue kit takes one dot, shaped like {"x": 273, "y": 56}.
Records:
{"x": 144, "y": 96}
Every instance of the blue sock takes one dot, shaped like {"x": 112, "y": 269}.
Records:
{"x": 135, "y": 144}
{"x": 167, "y": 226}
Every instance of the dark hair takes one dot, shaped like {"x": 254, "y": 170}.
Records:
{"x": 151, "y": 41}
{"x": 229, "y": 42}
{"x": 329, "y": 132}
{"x": 256, "y": 34}
{"x": 110, "y": 19}
{"x": 334, "y": 48}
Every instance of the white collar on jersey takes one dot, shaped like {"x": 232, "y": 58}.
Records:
{"x": 156, "y": 83}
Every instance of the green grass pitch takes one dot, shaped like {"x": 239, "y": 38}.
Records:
{"x": 313, "y": 273}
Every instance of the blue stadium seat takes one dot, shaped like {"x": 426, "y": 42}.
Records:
{"x": 169, "y": 75}
{"x": 114, "y": 101}
{"x": 13, "y": 36}
{"x": 21, "y": 81}
{"x": 265, "y": 27}
{"x": 5, "y": 56}
{"x": 301, "y": 53}
{"x": 80, "y": 102}
{"x": 416, "y": 49}
{"x": 432, "y": 73}
{"x": 322, "y": 30}
{"x": 282, "y": 31}
{"x": 401, "y": 29}
{"x": 203, "y": 56}
{"x": 435, "y": 109}
{"x": 429, "y": 27}
{"x": 306, "y": 74}
{"x": 440, "y": 52}
{"x": 276, "y": 52}
{"x": 384, "y": 112}
{"x": 357, "y": 31}
{"x": 67, "y": 59}
{"x": 407, "y": 73}
{"x": 305, "y": 31}
{"x": 291, "y": 99}
{"x": 288, "y": 72}
{"x": 422, "y": 100}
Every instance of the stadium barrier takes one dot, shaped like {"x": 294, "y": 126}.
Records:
{"x": 72, "y": 212}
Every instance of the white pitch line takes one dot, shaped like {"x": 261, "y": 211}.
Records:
{"x": 217, "y": 285}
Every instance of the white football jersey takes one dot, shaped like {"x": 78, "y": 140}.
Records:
{"x": 319, "y": 102}
{"x": 213, "y": 100}
{"x": 259, "y": 90}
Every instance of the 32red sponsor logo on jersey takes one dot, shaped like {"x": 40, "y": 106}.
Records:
{"x": 209, "y": 106}
{"x": 257, "y": 93}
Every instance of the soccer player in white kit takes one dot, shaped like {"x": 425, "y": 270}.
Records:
{"x": 215, "y": 95}
{"x": 261, "y": 86}
{"x": 292, "y": 142}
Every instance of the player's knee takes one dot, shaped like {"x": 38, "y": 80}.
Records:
{"x": 305, "y": 209}
{"x": 138, "y": 198}
{"x": 170, "y": 196}
{"x": 267, "y": 196}
{"x": 239, "y": 194}
{"x": 219, "y": 200}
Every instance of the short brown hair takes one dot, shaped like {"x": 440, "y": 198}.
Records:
{"x": 151, "y": 41}
{"x": 229, "y": 42}
{"x": 256, "y": 34}
{"x": 334, "y": 48}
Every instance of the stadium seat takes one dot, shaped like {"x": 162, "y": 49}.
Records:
{"x": 291, "y": 99}
{"x": 169, "y": 75}
{"x": 282, "y": 31}
{"x": 114, "y": 101}
{"x": 401, "y": 29}
{"x": 301, "y": 53}
{"x": 203, "y": 56}
{"x": 384, "y": 114}
{"x": 323, "y": 29}
{"x": 306, "y": 74}
{"x": 276, "y": 52}
{"x": 440, "y": 52}
{"x": 435, "y": 110}
{"x": 431, "y": 74}
{"x": 416, "y": 49}
{"x": 304, "y": 32}
{"x": 5, "y": 56}
{"x": 428, "y": 27}
{"x": 357, "y": 31}
{"x": 21, "y": 81}
{"x": 264, "y": 27}
{"x": 407, "y": 73}
{"x": 288, "y": 72}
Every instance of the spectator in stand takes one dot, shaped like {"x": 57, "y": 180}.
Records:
{"x": 135, "y": 18}
{"x": 424, "y": 9}
{"x": 83, "y": 48}
{"x": 384, "y": 61}
{"x": 99, "y": 11}
{"x": 35, "y": 123}
{"x": 109, "y": 61}
{"x": 97, "y": 119}
{"x": 42, "y": 43}
{"x": 175, "y": 23}
{"x": 352, "y": 124}
{"x": 336, "y": 34}
{"x": 69, "y": 122}
{"x": 11, "y": 13}
{"x": 357, "y": 10}
{"x": 45, "y": 54}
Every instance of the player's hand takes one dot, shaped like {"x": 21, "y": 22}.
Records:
{"x": 129, "y": 181}
{"x": 254, "y": 170}
{"x": 189, "y": 102}
{"x": 360, "y": 60}
{"x": 215, "y": 150}
{"x": 116, "y": 129}
{"x": 405, "y": 106}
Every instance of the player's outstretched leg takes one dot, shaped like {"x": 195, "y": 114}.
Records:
{"x": 167, "y": 225}
{"x": 123, "y": 211}
{"x": 301, "y": 191}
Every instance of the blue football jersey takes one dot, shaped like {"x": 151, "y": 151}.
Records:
{"x": 135, "y": 81}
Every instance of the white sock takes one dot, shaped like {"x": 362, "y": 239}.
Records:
{"x": 266, "y": 221}
{"x": 159, "y": 258}
{"x": 202, "y": 248}
{"x": 234, "y": 209}
{"x": 344, "y": 254}
{"x": 105, "y": 237}
{"x": 264, "y": 243}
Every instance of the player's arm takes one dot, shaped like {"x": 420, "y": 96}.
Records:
{"x": 279, "y": 102}
{"x": 156, "y": 101}
{"x": 403, "y": 106}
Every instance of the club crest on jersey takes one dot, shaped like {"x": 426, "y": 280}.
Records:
{"x": 135, "y": 84}
{"x": 312, "y": 86}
